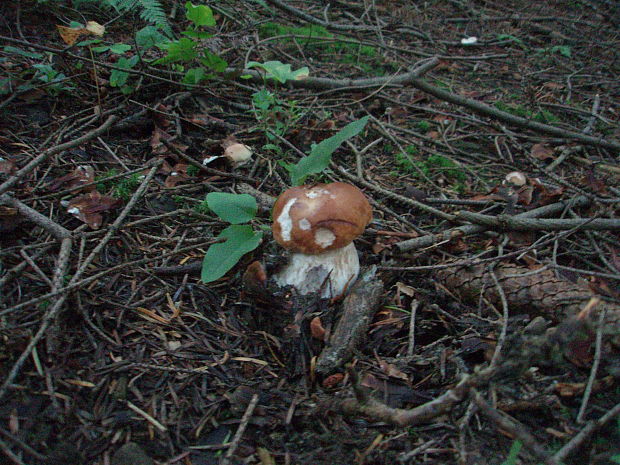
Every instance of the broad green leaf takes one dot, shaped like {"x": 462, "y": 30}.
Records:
{"x": 213, "y": 61}
{"x": 194, "y": 76}
{"x": 200, "y": 15}
{"x": 234, "y": 208}
{"x": 84, "y": 43}
{"x": 149, "y": 36}
{"x": 221, "y": 257}
{"x": 279, "y": 71}
{"x": 183, "y": 49}
{"x": 197, "y": 34}
{"x": 19, "y": 51}
{"x": 119, "y": 49}
{"x": 119, "y": 78}
{"x": 321, "y": 154}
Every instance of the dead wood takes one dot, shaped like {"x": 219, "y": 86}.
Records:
{"x": 358, "y": 309}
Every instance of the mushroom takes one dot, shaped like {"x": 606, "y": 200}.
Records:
{"x": 238, "y": 154}
{"x": 317, "y": 224}
{"x": 516, "y": 179}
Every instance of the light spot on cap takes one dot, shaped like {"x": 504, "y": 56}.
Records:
{"x": 286, "y": 224}
{"x": 314, "y": 193}
{"x": 304, "y": 224}
{"x": 324, "y": 237}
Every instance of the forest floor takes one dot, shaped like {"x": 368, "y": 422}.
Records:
{"x": 493, "y": 338}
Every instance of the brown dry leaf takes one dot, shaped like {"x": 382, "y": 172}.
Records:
{"x": 177, "y": 175}
{"x": 88, "y": 207}
{"x": 433, "y": 135}
{"x": 7, "y": 166}
{"x": 333, "y": 380}
{"x": 70, "y": 35}
{"x": 159, "y": 148}
{"x": 595, "y": 182}
{"x": 9, "y": 220}
{"x": 542, "y": 152}
{"x": 79, "y": 176}
{"x": 316, "y": 329}
{"x": 392, "y": 370}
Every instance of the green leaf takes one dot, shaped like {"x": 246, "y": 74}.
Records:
{"x": 563, "y": 50}
{"x": 200, "y": 15}
{"x": 119, "y": 49}
{"x": 213, "y": 61}
{"x": 194, "y": 76}
{"x": 149, "y": 37}
{"x": 183, "y": 49}
{"x": 84, "y": 43}
{"x": 221, "y": 257}
{"x": 118, "y": 78}
{"x": 234, "y": 208}
{"x": 279, "y": 71}
{"x": 197, "y": 34}
{"x": 19, "y": 51}
{"x": 513, "y": 454}
{"x": 321, "y": 154}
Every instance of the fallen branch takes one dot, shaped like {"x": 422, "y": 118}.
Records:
{"x": 514, "y": 223}
{"x": 469, "y": 229}
{"x": 507, "y": 118}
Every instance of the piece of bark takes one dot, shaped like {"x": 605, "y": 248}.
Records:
{"x": 358, "y": 309}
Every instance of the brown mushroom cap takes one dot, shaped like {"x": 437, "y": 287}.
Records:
{"x": 315, "y": 219}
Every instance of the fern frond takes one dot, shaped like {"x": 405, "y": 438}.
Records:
{"x": 150, "y": 11}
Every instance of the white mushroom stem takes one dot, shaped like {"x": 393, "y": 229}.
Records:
{"x": 331, "y": 272}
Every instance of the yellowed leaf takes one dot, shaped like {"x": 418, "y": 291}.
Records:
{"x": 69, "y": 34}
{"x": 95, "y": 28}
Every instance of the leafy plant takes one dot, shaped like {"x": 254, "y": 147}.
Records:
{"x": 121, "y": 188}
{"x": 279, "y": 71}
{"x": 513, "y": 453}
{"x": 543, "y": 116}
{"x": 151, "y": 11}
{"x": 321, "y": 153}
{"x": 275, "y": 116}
{"x": 188, "y": 49}
{"x": 238, "y": 239}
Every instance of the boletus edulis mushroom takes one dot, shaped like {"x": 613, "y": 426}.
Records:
{"x": 318, "y": 223}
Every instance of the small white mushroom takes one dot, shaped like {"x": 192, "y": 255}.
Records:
{"x": 238, "y": 153}
{"x": 516, "y": 179}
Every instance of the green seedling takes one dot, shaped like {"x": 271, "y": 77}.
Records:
{"x": 542, "y": 116}
{"x": 122, "y": 188}
{"x": 238, "y": 238}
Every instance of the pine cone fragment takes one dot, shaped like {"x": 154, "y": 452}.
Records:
{"x": 534, "y": 293}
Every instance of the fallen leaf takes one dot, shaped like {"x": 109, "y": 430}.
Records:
{"x": 316, "y": 329}
{"x": 7, "y": 166}
{"x": 595, "y": 182}
{"x": 392, "y": 370}
{"x": 88, "y": 207}
{"x": 79, "y": 176}
{"x": 177, "y": 175}
{"x": 95, "y": 28}
{"x": 333, "y": 380}
{"x": 70, "y": 35}
{"x": 542, "y": 152}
